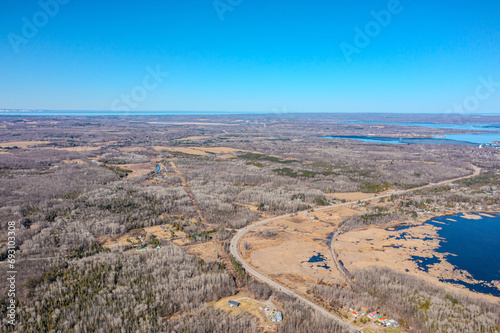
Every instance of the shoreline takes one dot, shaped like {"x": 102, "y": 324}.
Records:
{"x": 413, "y": 250}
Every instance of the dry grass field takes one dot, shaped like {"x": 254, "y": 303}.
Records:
{"x": 249, "y": 305}
{"x": 192, "y": 138}
{"x": 387, "y": 247}
{"x": 294, "y": 241}
{"x": 80, "y": 148}
{"x": 23, "y": 144}
{"x": 131, "y": 149}
{"x": 138, "y": 169}
{"x": 131, "y": 237}
{"x": 208, "y": 251}
{"x": 351, "y": 196}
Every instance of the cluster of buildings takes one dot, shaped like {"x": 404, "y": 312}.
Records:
{"x": 381, "y": 320}
{"x": 274, "y": 317}
{"x": 279, "y": 317}
{"x": 378, "y": 319}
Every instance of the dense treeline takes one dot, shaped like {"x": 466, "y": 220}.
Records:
{"x": 377, "y": 216}
{"x": 117, "y": 292}
{"x": 415, "y": 303}
{"x": 207, "y": 320}
{"x": 300, "y": 318}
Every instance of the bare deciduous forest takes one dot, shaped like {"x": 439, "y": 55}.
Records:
{"x": 85, "y": 195}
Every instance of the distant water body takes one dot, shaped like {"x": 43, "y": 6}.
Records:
{"x": 408, "y": 141}
{"x": 472, "y": 245}
{"x": 467, "y": 139}
{"x": 451, "y": 139}
{"x": 473, "y": 139}
{"x": 468, "y": 127}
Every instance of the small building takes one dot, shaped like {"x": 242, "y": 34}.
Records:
{"x": 355, "y": 314}
{"x": 233, "y": 304}
{"x": 279, "y": 316}
{"x": 393, "y": 323}
{"x": 273, "y": 319}
{"x": 372, "y": 315}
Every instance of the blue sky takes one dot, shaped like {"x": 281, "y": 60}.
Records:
{"x": 263, "y": 56}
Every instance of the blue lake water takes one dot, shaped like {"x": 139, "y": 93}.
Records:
{"x": 318, "y": 258}
{"x": 451, "y": 139}
{"x": 407, "y": 141}
{"x": 470, "y": 245}
{"x": 468, "y": 139}
{"x": 475, "y": 138}
{"x": 467, "y": 127}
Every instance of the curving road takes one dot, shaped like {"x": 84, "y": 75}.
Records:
{"x": 274, "y": 284}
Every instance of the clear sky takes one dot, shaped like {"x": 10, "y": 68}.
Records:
{"x": 250, "y": 55}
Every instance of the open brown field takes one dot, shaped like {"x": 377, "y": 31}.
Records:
{"x": 208, "y": 251}
{"x": 138, "y": 169}
{"x": 249, "y": 305}
{"x": 184, "y": 150}
{"x": 350, "y": 196}
{"x": 385, "y": 247}
{"x": 131, "y": 237}
{"x": 128, "y": 238}
{"x": 296, "y": 240}
{"x": 192, "y": 138}
{"x": 80, "y": 148}
{"x": 131, "y": 149}
{"x": 159, "y": 232}
{"x": 23, "y": 144}
{"x": 222, "y": 152}
{"x": 284, "y": 255}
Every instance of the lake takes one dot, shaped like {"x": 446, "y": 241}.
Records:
{"x": 467, "y": 139}
{"x": 411, "y": 141}
{"x": 472, "y": 245}
{"x": 468, "y": 127}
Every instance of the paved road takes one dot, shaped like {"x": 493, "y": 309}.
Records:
{"x": 253, "y": 272}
